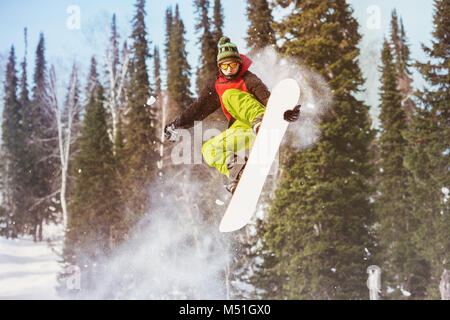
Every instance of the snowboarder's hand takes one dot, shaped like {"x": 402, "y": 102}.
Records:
{"x": 170, "y": 133}
{"x": 292, "y": 115}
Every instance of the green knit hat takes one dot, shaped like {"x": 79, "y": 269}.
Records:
{"x": 227, "y": 50}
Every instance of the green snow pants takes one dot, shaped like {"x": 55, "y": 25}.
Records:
{"x": 239, "y": 137}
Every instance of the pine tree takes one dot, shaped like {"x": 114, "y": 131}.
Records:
{"x": 208, "y": 48}
{"x": 119, "y": 143}
{"x": 24, "y": 92}
{"x": 76, "y": 98}
{"x": 168, "y": 22}
{"x": 168, "y": 43}
{"x": 113, "y": 62}
{"x": 260, "y": 32}
{"x": 14, "y": 221}
{"x": 92, "y": 81}
{"x": 217, "y": 21}
{"x": 178, "y": 70}
{"x": 157, "y": 71}
{"x": 77, "y": 118}
{"x": 318, "y": 230}
{"x": 93, "y": 204}
{"x": 401, "y": 264}
{"x": 44, "y": 145}
{"x": 401, "y": 56}
{"x": 114, "y": 41}
{"x": 140, "y": 137}
{"x": 428, "y": 154}
{"x": 26, "y": 160}
{"x": 395, "y": 37}
{"x": 403, "y": 59}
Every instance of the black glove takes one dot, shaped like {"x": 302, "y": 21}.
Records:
{"x": 170, "y": 133}
{"x": 292, "y": 115}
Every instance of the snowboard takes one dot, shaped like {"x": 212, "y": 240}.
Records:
{"x": 243, "y": 203}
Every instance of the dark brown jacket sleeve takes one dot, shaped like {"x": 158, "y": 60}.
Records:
{"x": 256, "y": 87}
{"x": 206, "y": 103}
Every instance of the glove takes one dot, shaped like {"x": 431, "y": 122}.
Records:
{"x": 170, "y": 133}
{"x": 292, "y": 115}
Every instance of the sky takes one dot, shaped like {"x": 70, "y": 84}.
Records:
{"x": 75, "y": 30}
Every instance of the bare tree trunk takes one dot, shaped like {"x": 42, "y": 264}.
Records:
{"x": 40, "y": 234}
{"x": 64, "y": 134}
{"x": 116, "y": 85}
{"x": 163, "y": 102}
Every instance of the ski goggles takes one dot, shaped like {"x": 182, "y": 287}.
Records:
{"x": 224, "y": 66}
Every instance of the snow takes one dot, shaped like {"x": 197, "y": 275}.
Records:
{"x": 404, "y": 292}
{"x": 151, "y": 100}
{"x": 28, "y": 269}
{"x": 445, "y": 191}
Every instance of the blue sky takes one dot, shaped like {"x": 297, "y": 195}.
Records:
{"x": 65, "y": 45}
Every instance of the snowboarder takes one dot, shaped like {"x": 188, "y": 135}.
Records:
{"x": 243, "y": 98}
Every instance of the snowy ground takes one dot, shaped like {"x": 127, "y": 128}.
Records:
{"x": 27, "y": 269}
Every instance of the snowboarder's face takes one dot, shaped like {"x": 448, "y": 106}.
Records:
{"x": 229, "y": 67}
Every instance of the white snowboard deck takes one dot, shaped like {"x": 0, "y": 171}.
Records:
{"x": 242, "y": 205}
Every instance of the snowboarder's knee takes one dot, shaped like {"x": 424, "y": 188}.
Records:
{"x": 209, "y": 152}
{"x": 230, "y": 95}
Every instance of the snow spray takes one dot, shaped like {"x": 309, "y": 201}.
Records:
{"x": 315, "y": 94}
{"x": 171, "y": 254}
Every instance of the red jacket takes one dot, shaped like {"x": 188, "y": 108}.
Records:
{"x": 210, "y": 98}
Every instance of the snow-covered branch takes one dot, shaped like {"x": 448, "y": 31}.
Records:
{"x": 40, "y": 200}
